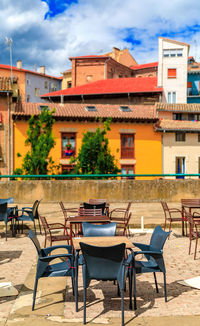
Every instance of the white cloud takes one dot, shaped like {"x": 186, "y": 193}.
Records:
{"x": 92, "y": 27}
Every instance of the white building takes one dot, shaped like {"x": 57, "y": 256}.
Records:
{"x": 172, "y": 70}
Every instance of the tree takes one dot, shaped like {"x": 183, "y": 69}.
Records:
{"x": 94, "y": 157}
{"x": 41, "y": 141}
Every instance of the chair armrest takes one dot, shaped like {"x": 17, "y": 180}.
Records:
{"x": 28, "y": 212}
{"x": 149, "y": 252}
{"x": 50, "y": 249}
{"x": 50, "y": 258}
{"x": 27, "y": 208}
{"x": 175, "y": 210}
{"x": 141, "y": 246}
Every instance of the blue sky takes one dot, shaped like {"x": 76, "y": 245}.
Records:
{"x": 48, "y": 32}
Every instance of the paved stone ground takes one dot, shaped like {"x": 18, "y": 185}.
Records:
{"x": 55, "y": 305}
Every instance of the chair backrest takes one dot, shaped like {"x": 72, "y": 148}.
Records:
{"x": 127, "y": 210}
{"x": 45, "y": 225}
{"x": 3, "y": 212}
{"x": 95, "y": 206}
{"x": 35, "y": 209}
{"x": 7, "y": 200}
{"x": 164, "y": 206}
{"x": 35, "y": 241}
{"x": 64, "y": 210}
{"x": 89, "y": 212}
{"x": 103, "y": 263}
{"x": 158, "y": 238}
{"x": 94, "y": 230}
{"x": 97, "y": 201}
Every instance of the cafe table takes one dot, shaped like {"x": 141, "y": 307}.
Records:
{"x": 190, "y": 204}
{"x": 95, "y": 241}
{"x": 78, "y": 220}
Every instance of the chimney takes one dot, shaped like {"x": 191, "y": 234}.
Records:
{"x": 42, "y": 70}
{"x": 19, "y": 64}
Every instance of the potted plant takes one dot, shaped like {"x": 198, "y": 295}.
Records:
{"x": 68, "y": 151}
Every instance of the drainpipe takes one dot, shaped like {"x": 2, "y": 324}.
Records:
{"x": 105, "y": 64}
{"x": 9, "y": 143}
{"x": 162, "y": 151}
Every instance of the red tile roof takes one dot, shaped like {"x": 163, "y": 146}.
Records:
{"x": 173, "y": 125}
{"x": 178, "y": 107}
{"x": 145, "y": 66}
{"x": 25, "y": 70}
{"x": 112, "y": 86}
{"x": 90, "y": 57}
{"x": 78, "y": 111}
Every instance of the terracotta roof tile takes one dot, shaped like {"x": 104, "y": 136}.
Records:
{"x": 5, "y": 83}
{"x": 111, "y": 86}
{"x": 78, "y": 110}
{"x": 173, "y": 125}
{"x": 145, "y": 65}
{"x": 191, "y": 107}
{"x": 26, "y": 70}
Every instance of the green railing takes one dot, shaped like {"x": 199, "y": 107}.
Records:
{"x": 91, "y": 176}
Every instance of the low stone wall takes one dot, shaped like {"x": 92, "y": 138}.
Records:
{"x": 112, "y": 190}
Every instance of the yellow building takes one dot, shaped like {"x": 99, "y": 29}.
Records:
{"x": 132, "y": 139}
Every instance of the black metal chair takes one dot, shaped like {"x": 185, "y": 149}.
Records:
{"x": 6, "y": 216}
{"x": 101, "y": 206}
{"x": 154, "y": 259}
{"x": 26, "y": 214}
{"x": 103, "y": 263}
{"x": 45, "y": 269}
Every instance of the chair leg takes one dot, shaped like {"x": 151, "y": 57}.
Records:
{"x": 122, "y": 305}
{"x": 165, "y": 287}
{"x": 134, "y": 289}
{"x": 195, "y": 250}
{"x": 118, "y": 291}
{"x": 34, "y": 293}
{"x": 6, "y": 232}
{"x": 156, "y": 284}
{"x": 130, "y": 282}
{"x": 39, "y": 226}
{"x": 190, "y": 246}
{"x": 76, "y": 283}
{"x": 84, "y": 303}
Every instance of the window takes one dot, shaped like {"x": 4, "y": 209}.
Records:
{"x": 91, "y": 108}
{"x": 53, "y": 87}
{"x": 28, "y": 98}
{"x": 180, "y": 136}
{"x": 46, "y": 84}
{"x": 171, "y": 97}
{"x": 37, "y": 92}
{"x": 69, "y": 84}
{"x": 180, "y": 167}
{"x": 171, "y": 73}
{"x": 177, "y": 116}
{"x": 172, "y": 53}
{"x": 189, "y": 88}
{"x": 28, "y": 81}
{"x": 127, "y": 146}
{"x": 125, "y": 108}
{"x": 128, "y": 169}
{"x": 68, "y": 145}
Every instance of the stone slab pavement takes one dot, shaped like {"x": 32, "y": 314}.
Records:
{"x": 55, "y": 305}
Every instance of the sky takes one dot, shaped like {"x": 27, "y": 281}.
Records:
{"x": 48, "y": 32}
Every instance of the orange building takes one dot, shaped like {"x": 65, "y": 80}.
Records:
{"x": 132, "y": 138}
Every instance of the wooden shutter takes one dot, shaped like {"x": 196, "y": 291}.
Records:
{"x": 171, "y": 73}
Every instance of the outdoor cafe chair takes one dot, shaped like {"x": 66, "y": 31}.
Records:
{"x": 26, "y": 214}
{"x": 194, "y": 229}
{"x": 122, "y": 217}
{"x": 101, "y": 206}
{"x": 45, "y": 268}
{"x": 172, "y": 215}
{"x": 6, "y": 214}
{"x": 51, "y": 228}
{"x": 67, "y": 211}
{"x": 154, "y": 259}
{"x": 106, "y": 264}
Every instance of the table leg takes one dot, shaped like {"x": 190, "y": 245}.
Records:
{"x": 183, "y": 217}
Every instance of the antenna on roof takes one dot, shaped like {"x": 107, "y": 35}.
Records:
{"x": 9, "y": 42}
